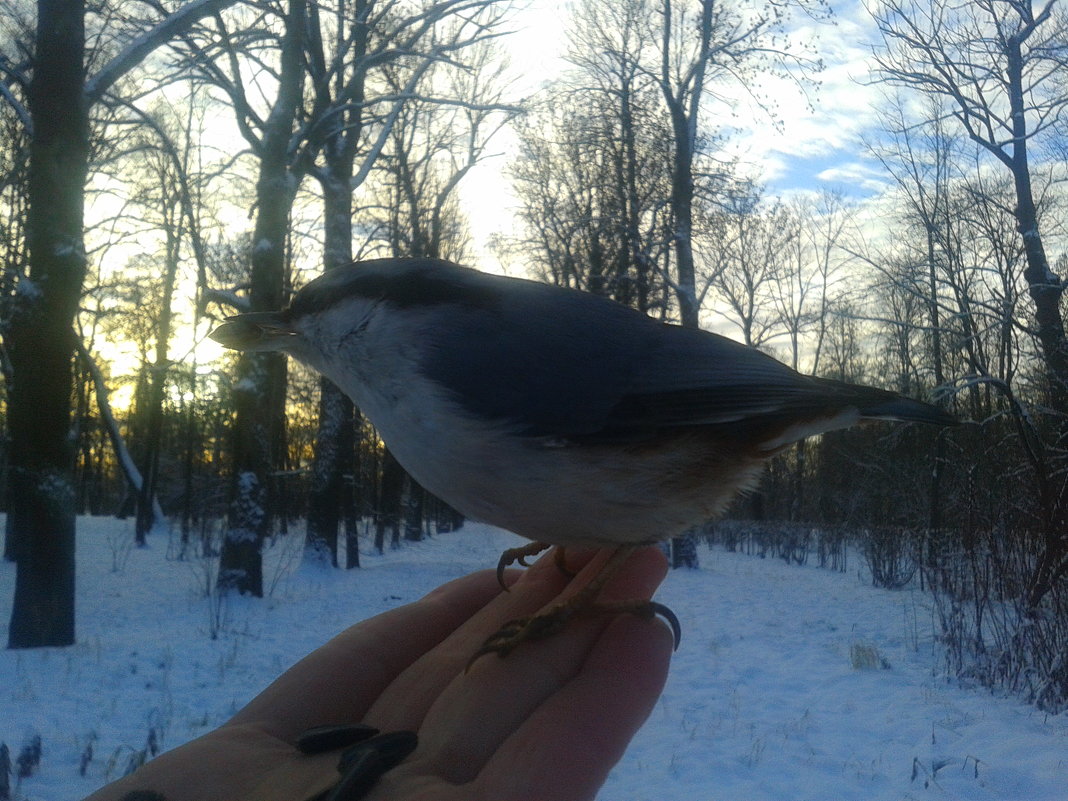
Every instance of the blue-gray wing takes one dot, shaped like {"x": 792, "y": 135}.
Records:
{"x": 550, "y": 362}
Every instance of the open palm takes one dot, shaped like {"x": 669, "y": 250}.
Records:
{"x": 545, "y": 724}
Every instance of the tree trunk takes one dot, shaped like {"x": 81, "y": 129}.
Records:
{"x": 259, "y": 392}
{"x": 684, "y": 551}
{"x": 190, "y": 443}
{"x": 354, "y": 495}
{"x": 335, "y": 438}
{"x": 414, "y": 501}
{"x": 388, "y": 513}
{"x": 147, "y": 507}
{"x": 41, "y": 342}
{"x": 330, "y": 501}
{"x": 1043, "y": 285}
{"x": 333, "y": 453}
{"x": 684, "y": 118}
{"x": 134, "y": 479}
{"x": 1046, "y": 289}
{"x": 682, "y": 212}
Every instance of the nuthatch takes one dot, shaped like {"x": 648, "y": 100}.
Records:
{"x": 559, "y": 415}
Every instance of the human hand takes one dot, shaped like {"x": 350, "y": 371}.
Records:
{"x": 546, "y": 723}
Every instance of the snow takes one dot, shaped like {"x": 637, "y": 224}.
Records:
{"x": 763, "y": 700}
{"x": 27, "y": 289}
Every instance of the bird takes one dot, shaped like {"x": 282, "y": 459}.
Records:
{"x": 560, "y": 415}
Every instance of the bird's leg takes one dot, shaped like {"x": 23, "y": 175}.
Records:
{"x": 513, "y": 555}
{"x": 556, "y": 617}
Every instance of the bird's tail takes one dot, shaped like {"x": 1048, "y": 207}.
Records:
{"x": 908, "y": 410}
{"x": 880, "y": 404}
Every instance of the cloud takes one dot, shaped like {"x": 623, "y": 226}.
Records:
{"x": 867, "y": 177}
{"x": 791, "y": 136}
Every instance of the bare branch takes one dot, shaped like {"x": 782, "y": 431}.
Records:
{"x": 136, "y": 52}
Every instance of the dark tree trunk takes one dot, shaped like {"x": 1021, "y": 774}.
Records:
{"x": 146, "y": 497}
{"x": 41, "y": 341}
{"x": 1046, "y": 289}
{"x": 414, "y": 502}
{"x": 354, "y": 503}
{"x": 682, "y": 191}
{"x": 388, "y": 513}
{"x": 333, "y": 454}
{"x": 190, "y": 444}
{"x": 684, "y": 102}
{"x": 1043, "y": 285}
{"x": 329, "y": 500}
{"x": 334, "y": 439}
{"x": 259, "y": 392}
{"x": 684, "y": 551}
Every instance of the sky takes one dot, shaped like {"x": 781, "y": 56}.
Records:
{"x": 818, "y": 142}
{"x": 815, "y": 142}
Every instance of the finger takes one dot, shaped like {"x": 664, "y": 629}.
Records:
{"x": 404, "y": 704}
{"x": 338, "y": 682}
{"x": 565, "y": 750}
{"x": 480, "y": 710}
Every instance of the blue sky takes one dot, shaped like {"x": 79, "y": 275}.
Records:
{"x": 817, "y": 142}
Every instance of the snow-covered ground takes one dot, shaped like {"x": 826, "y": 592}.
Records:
{"x": 763, "y": 700}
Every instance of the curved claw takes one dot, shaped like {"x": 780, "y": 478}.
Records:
{"x": 672, "y": 620}
{"x": 514, "y": 555}
{"x": 501, "y": 565}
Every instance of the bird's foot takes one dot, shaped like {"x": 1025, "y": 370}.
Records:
{"x": 552, "y": 620}
{"x": 519, "y": 555}
{"x": 514, "y": 555}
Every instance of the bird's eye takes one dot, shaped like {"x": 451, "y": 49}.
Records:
{"x": 361, "y": 326}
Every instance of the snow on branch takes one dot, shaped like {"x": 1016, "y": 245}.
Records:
{"x": 225, "y": 297}
{"x": 5, "y": 92}
{"x": 136, "y": 52}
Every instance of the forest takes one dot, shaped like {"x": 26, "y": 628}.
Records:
{"x": 165, "y": 164}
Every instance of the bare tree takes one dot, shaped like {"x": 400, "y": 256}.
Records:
{"x": 996, "y": 63}
{"x": 162, "y": 154}
{"x": 59, "y": 94}
{"x": 756, "y": 247}
{"x": 221, "y": 56}
{"x": 369, "y": 61}
{"x": 440, "y": 136}
{"x": 702, "y": 44}
{"x": 593, "y": 213}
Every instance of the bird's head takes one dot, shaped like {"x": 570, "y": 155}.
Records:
{"x": 349, "y": 323}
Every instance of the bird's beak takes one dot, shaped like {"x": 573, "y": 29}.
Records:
{"x": 256, "y": 331}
